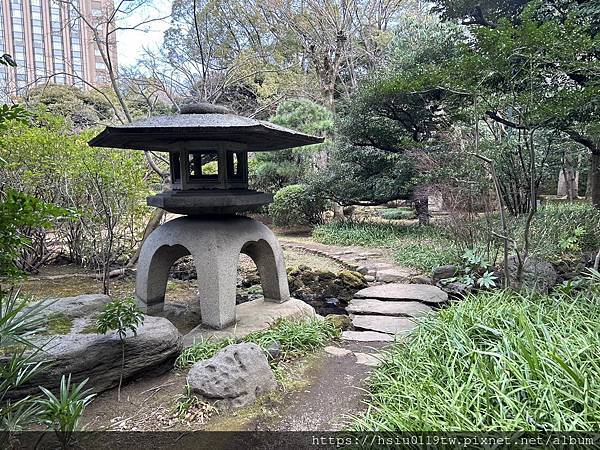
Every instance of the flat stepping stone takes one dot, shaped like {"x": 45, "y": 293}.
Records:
{"x": 378, "y": 265}
{"x": 366, "y": 336}
{"x": 394, "y": 275}
{"x": 336, "y": 351}
{"x": 367, "y": 360}
{"x": 388, "y": 308}
{"x": 344, "y": 252}
{"x": 384, "y": 324}
{"x": 394, "y": 291}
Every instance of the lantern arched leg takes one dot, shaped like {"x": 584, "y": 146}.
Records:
{"x": 268, "y": 258}
{"x": 215, "y": 243}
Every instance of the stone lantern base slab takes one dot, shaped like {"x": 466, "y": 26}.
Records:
{"x": 253, "y": 316}
{"x": 210, "y": 202}
{"x": 215, "y": 243}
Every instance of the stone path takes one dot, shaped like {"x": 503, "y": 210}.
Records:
{"x": 371, "y": 263}
{"x": 384, "y": 311}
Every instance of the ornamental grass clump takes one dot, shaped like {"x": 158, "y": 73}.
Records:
{"x": 295, "y": 338}
{"x": 63, "y": 412}
{"x": 496, "y": 361}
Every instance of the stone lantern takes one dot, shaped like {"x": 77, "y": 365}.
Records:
{"x": 208, "y": 157}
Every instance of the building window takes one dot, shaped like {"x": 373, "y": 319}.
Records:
{"x": 19, "y": 43}
{"x": 37, "y": 38}
{"x": 57, "y": 41}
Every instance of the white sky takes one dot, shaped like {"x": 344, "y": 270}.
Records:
{"x": 131, "y": 43}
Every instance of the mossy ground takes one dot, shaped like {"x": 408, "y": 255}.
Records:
{"x": 58, "y": 324}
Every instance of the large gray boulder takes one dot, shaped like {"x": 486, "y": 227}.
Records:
{"x": 72, "y": 307}
{"x": 234, "y": 377}
{"x": 86, "y": 354}
{"x": 538, "y": 274}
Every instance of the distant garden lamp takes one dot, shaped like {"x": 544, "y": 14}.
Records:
{"x": 208, "y": 158}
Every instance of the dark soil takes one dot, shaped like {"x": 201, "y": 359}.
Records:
{"x": 334, "y": 392}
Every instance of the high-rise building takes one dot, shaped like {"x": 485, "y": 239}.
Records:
{"x": 51, "y": 43}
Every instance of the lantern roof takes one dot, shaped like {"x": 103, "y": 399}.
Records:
{"x": 201, "y": 122}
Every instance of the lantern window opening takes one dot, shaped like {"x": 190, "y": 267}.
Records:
{"x": 237, "y": 163}
{"x": 203, "y": 165}
{"x": 175, "y": 166}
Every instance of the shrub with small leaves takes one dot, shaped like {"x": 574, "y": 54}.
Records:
{"x": 121, "y": 316}
{"x": 296, "y": 204}
{"x": 474, "y": 272}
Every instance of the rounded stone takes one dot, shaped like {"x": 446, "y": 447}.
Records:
{"x": 235, "y": 376}
{"x": 203, "y": 108}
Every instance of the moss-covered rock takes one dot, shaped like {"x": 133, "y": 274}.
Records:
{"x": 340, "y": 321}
{"x": 58, "y": 323}
{"x": 325, "y": 290}
{"x": 352, "y": 279}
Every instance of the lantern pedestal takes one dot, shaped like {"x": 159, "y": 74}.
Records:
{"x": 215, "y": 243}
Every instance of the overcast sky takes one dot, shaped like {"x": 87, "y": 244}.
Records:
{"x": 131, "y": 43}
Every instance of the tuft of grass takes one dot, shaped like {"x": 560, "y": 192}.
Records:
{"x": 296, "y": 338}
{"x": 203, "y": 349}
{"x": 425, "y": 254}
{"x": 496, "y": 361}
{"x": 365, "y": 234}
{"x": 420, "y": 247}
{"x": 191, "y": 408}
{"x": 396, "y": 213}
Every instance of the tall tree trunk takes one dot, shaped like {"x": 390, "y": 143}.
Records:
{"x": 422, "y": 210}
{"x": 594, "y": 179}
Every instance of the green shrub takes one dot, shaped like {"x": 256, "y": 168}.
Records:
{"x": 103, "y": 189}
{"x": 296, "y": 338}
{"x": 296, "y": 204}
{"x": 496, "y": 361}
{"x": 121, "y": 316}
